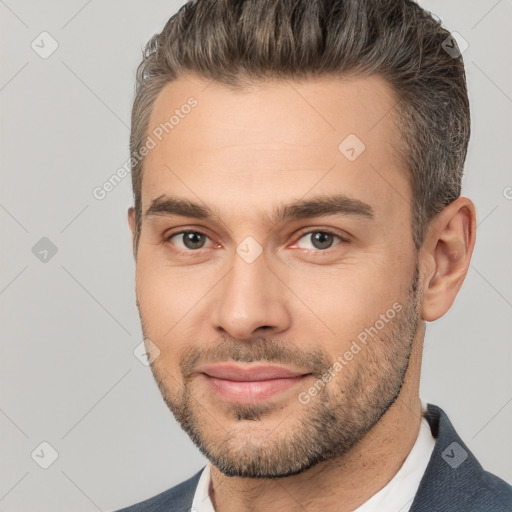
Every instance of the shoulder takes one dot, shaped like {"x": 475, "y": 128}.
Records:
{"x": 499, "y": 490}
{"x": 176, "y": 499}
{"x": 486, "y": 493}
{"x": 454, "y": 479}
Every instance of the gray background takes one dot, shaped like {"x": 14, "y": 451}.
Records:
{"x": 68, "y": 375}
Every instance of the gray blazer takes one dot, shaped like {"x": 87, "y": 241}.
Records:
{"x": 454, "y": 481}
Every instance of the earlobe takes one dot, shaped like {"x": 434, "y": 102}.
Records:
{"x": 131, "y": 219}
{"x": 131, "y": 224}
{"x": 449, "y": 247}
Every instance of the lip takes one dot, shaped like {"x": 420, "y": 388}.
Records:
{"x": 251, "y": 372}
{"x": 251, "y": 383}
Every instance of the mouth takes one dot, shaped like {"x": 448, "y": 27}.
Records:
{"x": 249, "y": 384}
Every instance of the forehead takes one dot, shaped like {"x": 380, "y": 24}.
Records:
{"x": 256, "y": 147}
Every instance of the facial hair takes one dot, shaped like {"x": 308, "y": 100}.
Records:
{"x": 337, "y": 418}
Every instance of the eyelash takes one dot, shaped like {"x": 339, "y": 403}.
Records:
{"x": 188, "y": 252}
{"x": 197, "y": 252}
{"x": 324, "y": 231}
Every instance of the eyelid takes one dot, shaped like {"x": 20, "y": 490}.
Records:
{"x": 167, "y": 237}
{"x": 308, "y": 231}
{"x": 345, "y": 238}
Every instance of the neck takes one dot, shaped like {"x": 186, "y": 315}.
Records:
{"x": 343, "y": 483}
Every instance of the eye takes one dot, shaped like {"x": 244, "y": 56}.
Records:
{"x": 318, "y": 240}
{"x": 188, "y": 240}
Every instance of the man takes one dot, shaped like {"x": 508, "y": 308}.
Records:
{"x": 297, "y": 169}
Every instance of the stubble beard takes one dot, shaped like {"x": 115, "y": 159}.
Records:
{"x": 332, "y": 423}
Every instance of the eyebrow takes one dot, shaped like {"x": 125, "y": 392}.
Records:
{"x": 318, "y": 206}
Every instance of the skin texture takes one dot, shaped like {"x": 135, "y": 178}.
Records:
{"x": 244, "y": 154}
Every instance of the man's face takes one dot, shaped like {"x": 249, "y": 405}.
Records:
{"x": 285, "y": 313}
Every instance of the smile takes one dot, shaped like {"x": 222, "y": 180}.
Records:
{"x": 250, "y": 384}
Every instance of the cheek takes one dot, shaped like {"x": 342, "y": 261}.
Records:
{"x": 170, "y": 300}
{"x": 166, "y": 294}
{"x": 338, "y": 303}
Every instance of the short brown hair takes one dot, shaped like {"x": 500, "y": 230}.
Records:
{"x": 237, "y": 42}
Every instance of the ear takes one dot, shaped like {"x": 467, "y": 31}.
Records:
{"x": 445, "y": 256}
{"x": 131, "y": 223}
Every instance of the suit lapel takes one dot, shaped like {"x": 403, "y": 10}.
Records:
{"x": 452, "y": 471}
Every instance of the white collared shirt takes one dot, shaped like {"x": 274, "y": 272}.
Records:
{"x": 396, "y": 496}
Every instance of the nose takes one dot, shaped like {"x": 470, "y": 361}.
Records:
{"x": 251, "y": 301}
